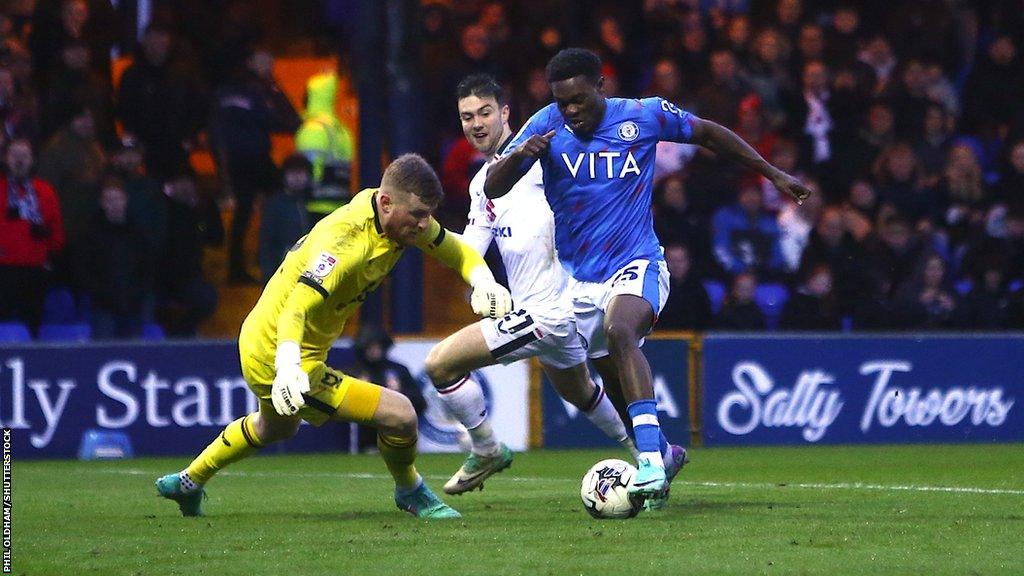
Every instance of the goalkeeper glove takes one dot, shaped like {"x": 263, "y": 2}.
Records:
{"x": 491, "y": 299}
{"x": 290, "y": 382}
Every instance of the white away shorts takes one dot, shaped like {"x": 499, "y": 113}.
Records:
{"x": 647, "y": 279}
{"x": 522, "y": 335}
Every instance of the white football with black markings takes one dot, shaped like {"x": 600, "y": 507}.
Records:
{"x": 605, "y": 490}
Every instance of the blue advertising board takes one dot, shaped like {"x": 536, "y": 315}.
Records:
{"x": 169, "y": 398}
{"x": 566, "y": 427}
{"x": 866, "y": 389}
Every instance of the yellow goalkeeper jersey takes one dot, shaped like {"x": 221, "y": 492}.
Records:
{"x": 328, "y": 273}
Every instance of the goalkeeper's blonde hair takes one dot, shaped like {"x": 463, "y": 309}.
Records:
{"x": 411, "y": 174}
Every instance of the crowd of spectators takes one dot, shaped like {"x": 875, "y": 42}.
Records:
{"x": 906, "y": 117}
{"x": 101, "y": 199}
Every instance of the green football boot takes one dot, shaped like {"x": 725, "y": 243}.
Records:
{"x": 190, "y": 503}
{"x": 649, "y": 481}
{"x": 422, "y": 503}
{"x": 477, "y": 469}
{"x": 673, "y": 465}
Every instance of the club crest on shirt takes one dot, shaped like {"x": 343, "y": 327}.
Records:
{"x": 628, "y": 131}
{"x": 324, "y": 264}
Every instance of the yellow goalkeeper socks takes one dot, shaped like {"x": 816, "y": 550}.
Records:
{"x": 237, "y": 441}
{"x": 399, "y": 454}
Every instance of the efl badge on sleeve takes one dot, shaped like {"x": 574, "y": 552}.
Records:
{"x": 324, "y": 265}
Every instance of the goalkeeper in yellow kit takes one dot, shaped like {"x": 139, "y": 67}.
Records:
{"x": 284, "y": 341}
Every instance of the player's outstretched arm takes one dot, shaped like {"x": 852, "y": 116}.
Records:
{"x": 726, "y": 143}
{"x": 504, "y": 173}
{"x": 333, "y": 261}
{"x": 290, "y": 381}
{"x": 489, "y": 297}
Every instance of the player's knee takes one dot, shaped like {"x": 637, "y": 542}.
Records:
{"x": 436, "y": 368}
{"x": 575, "y": 393}
{"x": 400, "y": 418}
{"x": 277, "y": 431}
{"x": 578, "y": 399}
{"x": 621, "y": 338}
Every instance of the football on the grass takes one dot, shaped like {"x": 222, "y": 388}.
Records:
{"x": 605, "y": 490}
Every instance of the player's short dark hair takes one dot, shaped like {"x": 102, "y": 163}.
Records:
{"x": 481, "y": 86}
{"x": 411, "y": 173}
{"x": 573, "y": 62}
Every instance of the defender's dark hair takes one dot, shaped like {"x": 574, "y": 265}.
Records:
{"x": 411, "y": 174}
{"x": 481, "y": 86}
{"x": 572, "y": 62}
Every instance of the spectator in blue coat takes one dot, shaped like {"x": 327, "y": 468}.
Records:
{"x": 746, "y": 237}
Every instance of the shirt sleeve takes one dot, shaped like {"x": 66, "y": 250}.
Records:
{"x": 477, "y": 237}
{"x": 327, "y": 265}
{"x": 478, "y": 230}
{"x": 540, "y": 123}
{"x": 451, "y": 250}
{"x": 674, "y": 123}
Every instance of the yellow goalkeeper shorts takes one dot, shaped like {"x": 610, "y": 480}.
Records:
{"x": 332, "y": 393}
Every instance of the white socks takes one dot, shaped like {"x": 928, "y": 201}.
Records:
{"x": 484, "y": 442}
{"x": 187, "y": 484}
{"x": 652, "y": 457}
{"x": 465, "y": 402}
{"x": 630, "y": 447}
{"x": 603, "y": 414}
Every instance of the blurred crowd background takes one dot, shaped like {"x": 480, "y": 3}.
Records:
{"x": 905, "y": 116}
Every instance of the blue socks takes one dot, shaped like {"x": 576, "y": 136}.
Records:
{"x": 650, "y": 442}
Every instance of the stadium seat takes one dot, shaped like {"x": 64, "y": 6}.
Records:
{"x": 771, "y": 298}
{"x": 12, "y": 332}
{"x": 59, "y": 307}
{"x": 964, "y": 287}
{"x": 716, "y": 293}
{"x": 846, "y": 323}
{"x": 84, "y": 307}
{"x": 153, "y": 332}
{"x": 77, "y": 332}
{"x": 1016, "y": 285}
{"x": 105, "y": 445}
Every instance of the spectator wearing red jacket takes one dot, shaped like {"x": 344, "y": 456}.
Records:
{"x": 31, "y": 232}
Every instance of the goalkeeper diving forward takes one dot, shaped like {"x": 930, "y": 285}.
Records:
{"x": 285, "y": 339}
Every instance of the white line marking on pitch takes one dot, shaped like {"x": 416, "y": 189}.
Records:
{"x": 744, "y": 485}
{"x": 860, "y": 486}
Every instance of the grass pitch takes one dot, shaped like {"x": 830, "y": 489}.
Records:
{"x": 821, "y": 510}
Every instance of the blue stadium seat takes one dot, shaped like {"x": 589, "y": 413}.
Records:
{"x": 1016, "y": 285}
{"x": 59, "y": 307}
{"x": 105, "y": 445}
{"x": 12, "y": 332}
{"x": 771, "y": 298}
{"x": 964, "y": 287}
{"x": 153, "y": 332}
{"x": 77, "y": 332}
{"x": 846, "y": 323}
{"x": 716, "y": 293}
